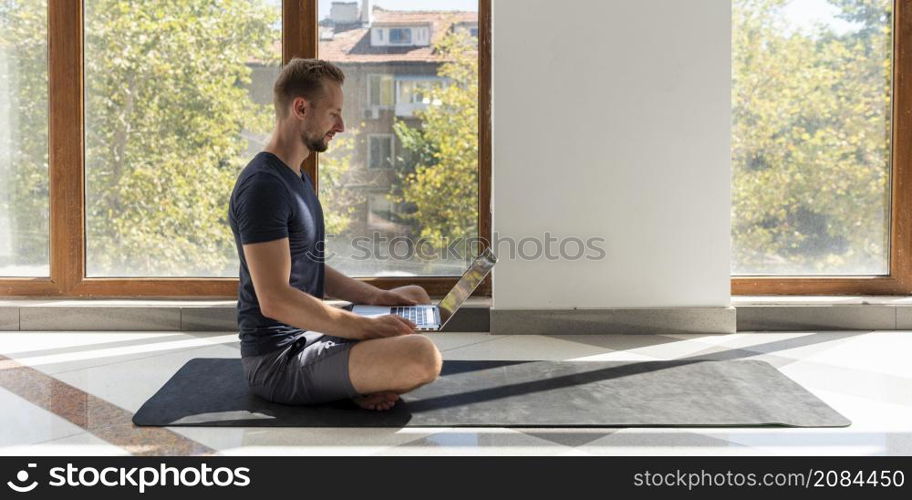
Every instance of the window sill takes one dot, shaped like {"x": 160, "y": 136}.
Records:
{"x": 754, "y": 313}
{"x": 29, "y": 314}
{"x": 828, "y": 300}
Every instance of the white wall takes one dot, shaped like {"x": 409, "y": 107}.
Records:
{"x": 611, "y": 119}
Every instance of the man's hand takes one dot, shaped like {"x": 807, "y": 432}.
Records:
{"x": 408, "y": 295}
{"x": 388, "y": 325}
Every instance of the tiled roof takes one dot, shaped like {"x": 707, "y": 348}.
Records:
{"x": 381, "y": 15}
{"x": 353, "y": 46}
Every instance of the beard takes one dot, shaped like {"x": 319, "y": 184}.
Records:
{"x": 316, "y": 144}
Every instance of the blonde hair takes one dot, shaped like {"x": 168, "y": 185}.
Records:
{"x": 303, "y": 78}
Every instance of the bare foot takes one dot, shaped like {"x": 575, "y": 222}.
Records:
{"x": 377, "y": 401}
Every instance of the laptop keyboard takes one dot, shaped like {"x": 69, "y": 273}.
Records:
{"x": 417, "y": 315}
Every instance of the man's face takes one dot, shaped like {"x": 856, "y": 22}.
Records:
{"x": 324, "y": 119}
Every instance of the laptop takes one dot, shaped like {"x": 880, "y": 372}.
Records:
{"x": 430, "y": 317}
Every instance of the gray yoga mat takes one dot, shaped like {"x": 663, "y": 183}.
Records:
{"x": 692, "y": 393}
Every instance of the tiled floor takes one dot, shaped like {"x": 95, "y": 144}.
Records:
{"x": 73, "y": 393}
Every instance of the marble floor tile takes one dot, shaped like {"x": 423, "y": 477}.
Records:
{"x": 650, "y": 348}
{"x": 447, "y": 341}
{"x": 300, "y": 440}
{"x": 646, "y": 441}
{"x": 522, "y": 347}
{"x": 23, "y": 423}
{"x": 81, "y": 444}
{"x": 58, "y": 352}
{"x": 129, "y": 383}
{"x": 876, "y": 352}
{"x": 498, "y": 442}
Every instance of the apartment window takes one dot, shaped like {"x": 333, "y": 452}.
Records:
{"x": 380, "y": 151}
{"x": 380, "y": 90}
{"x": 416, "y": 91}
{"x": 813, "y": 160}
{"x": 400, "y": 36}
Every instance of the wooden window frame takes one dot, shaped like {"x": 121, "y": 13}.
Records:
{"x": 300, "y": 35}
{"x": 899, "y": 281}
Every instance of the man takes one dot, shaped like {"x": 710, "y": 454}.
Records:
{"x": 294, "y": 348}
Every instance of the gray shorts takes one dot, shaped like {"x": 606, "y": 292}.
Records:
{"x": 313, "y": 369}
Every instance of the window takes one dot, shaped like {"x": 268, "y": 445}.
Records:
{"x": 161, "y": 156}
{"x": 24, "y": 201}
{"x": 141, "y": 178}
{"x": 401, "y": 36}
{"x": 380, "y": 152}
{"x": 414, "y": 93}
{"x": 413, "y": 161}
{"x": 380, "y": 90}
{"x": 812, "y": 155}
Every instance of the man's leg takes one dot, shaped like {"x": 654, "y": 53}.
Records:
{"x": 393, "y": 364}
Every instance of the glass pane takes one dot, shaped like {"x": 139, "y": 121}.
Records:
{"x": 394, "y": 59}
{"x": 811, "y": 98}
{"x": 178, "y": 98}
{"x": 375, "y": 152}
{"x": 399, "y": 35}
{"x": 386, "y": 91}
{"x": 24, "y": 200}
{"x": 381, "y": 155}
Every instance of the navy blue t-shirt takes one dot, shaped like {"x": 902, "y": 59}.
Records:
{"x": 271, "y": 202}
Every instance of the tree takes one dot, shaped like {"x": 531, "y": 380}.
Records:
{"x": 165, "y": 105}
{"x": 338, "y": 200}
{"x": 166, "y": 102}
{"x": 443, "y": 187}
{"x": 24, "y": 193}
{"x": 809, "y": 140}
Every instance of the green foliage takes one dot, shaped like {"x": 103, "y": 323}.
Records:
{"x": 337, "y": 198}
{"x": 444, "y": 184}
{"x": 164, "y": 109}
{"x": 165, "y": 105}
{"x": 23, "y": 28}
{"x": 810, "y": 141}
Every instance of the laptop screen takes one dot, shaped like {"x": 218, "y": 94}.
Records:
{"x": 466, "y": 285}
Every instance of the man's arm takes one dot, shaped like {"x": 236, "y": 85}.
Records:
{"x": 270, "y": 267}
{"x": 340, "y": 286}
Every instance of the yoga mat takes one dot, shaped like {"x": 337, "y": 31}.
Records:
{"x": 691, "y": 393}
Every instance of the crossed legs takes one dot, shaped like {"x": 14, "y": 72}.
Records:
{"x": 382, "y": 369}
